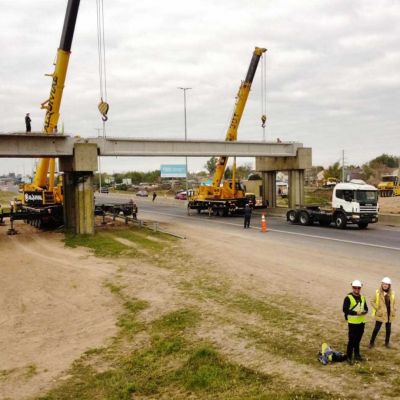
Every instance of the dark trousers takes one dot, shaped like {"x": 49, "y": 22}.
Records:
{"x": 247, "y": 221}
{"x": 356, "y": 332}
{"x": 378, "y": 324}
{"x": 28, "y": 127}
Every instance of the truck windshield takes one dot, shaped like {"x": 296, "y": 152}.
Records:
{"x": 388, "y": 178}
{"x": 367, "y": 196}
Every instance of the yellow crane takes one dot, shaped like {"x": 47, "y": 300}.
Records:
{"x": 230, "y": 197}
{"x": 42, "y": 191}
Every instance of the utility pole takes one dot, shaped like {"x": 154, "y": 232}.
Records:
{"x": 343, "y": 166}
{"x": 184, "y": 111}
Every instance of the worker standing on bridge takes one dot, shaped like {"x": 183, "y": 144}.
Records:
{"x": 355, "y": 308}
{"x": 247, "y": 215}
{"x": 28, "y": 122}
{"x": 384, "y": 310}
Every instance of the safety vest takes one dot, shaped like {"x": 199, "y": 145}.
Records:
{"x": 378, "y": 297}
{"x": 354, "y": 306}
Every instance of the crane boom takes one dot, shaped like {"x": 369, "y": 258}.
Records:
{"x": 241, "y": 99}
{"x": 52, "y": 104}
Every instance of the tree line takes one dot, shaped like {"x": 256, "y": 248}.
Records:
{"x": 370, "y": 171}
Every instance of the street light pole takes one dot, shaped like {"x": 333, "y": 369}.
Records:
{"x": 184, "y": 110}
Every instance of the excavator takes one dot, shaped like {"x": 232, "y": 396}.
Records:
{"x": 230, "y": 198}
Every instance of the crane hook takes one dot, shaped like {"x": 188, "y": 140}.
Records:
{"x": 103, "y": 108}
{"x": 263, "y": 119}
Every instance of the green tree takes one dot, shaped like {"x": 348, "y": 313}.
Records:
{"x": 228, "y": 173}
{"x": 211, "y": 164}
{"x": 333, "y": 171}
{"x": 367, "y": 172}
{"x": 243, "y": 171}
{"x": 386, "y": 160}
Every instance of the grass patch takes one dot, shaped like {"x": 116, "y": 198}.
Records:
{"x": 139, "y": 243}
{"x": 101, "y": 243}
{"x": 6, "y": 197}
{"x": 5, "y": 373}
{"x": 318, "y": 196}
{"x": 177, "y": 321}
{"x": 31, "y": 370}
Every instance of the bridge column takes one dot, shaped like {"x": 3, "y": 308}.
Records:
{"x": 269, "y": 188}
{"x": 296, "y": 188}
{"x": 78, "y": 188}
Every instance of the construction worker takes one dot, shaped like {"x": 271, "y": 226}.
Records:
{"x": 355, "y": 308}
{"x": 247, "y": 215}
{"x": 27, "y": 122}
{"x": 384, "y": 310}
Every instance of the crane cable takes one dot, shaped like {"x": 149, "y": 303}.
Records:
{"x": 263, "y": 93}
{"x": 103, "y": 106}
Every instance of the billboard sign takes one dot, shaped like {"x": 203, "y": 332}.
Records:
{"x": 173, "y": 170}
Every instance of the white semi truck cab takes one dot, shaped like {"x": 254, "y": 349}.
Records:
{"x": 354, "y": 202}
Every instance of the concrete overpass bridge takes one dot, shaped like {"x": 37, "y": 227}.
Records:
{"x": 40, "y": 145}
{"x": 78, "y": 159}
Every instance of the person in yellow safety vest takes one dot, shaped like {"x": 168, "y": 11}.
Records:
{"x": 355, "y": 308}
{"x": 384, "y": 310}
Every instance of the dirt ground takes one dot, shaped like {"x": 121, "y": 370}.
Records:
{"x": 389, "y": 205}
{"x": 54, "y": 306}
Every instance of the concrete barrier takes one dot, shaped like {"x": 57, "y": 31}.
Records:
{"x": 389, "y": 219}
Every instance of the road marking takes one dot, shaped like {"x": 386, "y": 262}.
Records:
{"x": 286, "y": 232}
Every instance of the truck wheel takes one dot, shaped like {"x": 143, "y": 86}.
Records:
{"x": 304, "y": 218}
{"x": 292, "y": 216}
{"x": 340, "y": 221}
{"x": 362, "y": 225}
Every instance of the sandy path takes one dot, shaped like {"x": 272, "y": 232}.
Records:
{"x": 53, "y": 308}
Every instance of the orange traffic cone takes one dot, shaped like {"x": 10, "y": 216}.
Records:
{"x": 263, "y": 223}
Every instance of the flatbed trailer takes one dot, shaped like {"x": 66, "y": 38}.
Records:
{"x": 127, "y": 209}
{"x": 223, "y": 207}
{"x": 52, "y": 216}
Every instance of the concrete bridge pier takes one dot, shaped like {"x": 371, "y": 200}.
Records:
{"x": 296, "y": 187}
{"x": 78, "y": 188}
{"x": 295, "y": 167}
{"x": 269, "y": 188}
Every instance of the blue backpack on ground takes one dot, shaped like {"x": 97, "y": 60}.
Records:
{"x": 328, "y": 355}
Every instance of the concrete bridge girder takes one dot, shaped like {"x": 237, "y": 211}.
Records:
{"x": 41, "y": 145}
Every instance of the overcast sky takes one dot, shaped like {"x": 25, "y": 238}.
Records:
{"x": 333, "y": 72}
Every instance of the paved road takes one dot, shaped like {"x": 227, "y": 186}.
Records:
{"x": 377, "y": 243}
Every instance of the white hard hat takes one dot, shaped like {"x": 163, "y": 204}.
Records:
{"x": 387, "y": 280}
{"x": 356, "y": 283}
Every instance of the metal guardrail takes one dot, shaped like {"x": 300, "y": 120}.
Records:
{"x": 155, "y": 226}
